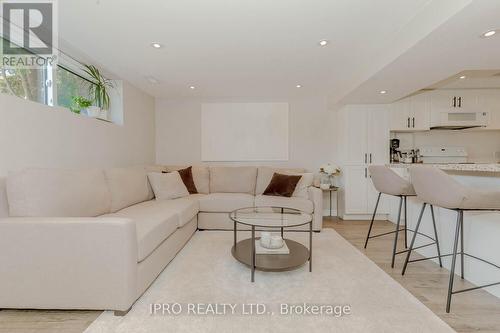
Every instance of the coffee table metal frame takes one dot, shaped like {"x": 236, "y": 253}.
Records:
{"x": 298, "y": 256}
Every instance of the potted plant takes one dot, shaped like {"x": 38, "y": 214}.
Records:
{"x": 80, "y": 104}
{"x": 328, "y": 172}
{"x": 99, "y": 90}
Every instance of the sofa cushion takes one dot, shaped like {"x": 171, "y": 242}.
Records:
{"x": 304, "y": 205}
{"x": 154, "y": 222}
{"x": 304, "y": 183}
{"x": 186, "y": 208}
{"x": 225, "y": 202}
{"x": 265, "y": 174}
{"x": 201, "y": 176}
{"x": 128, "y": 186}
{"x": 167, "y": 186}
{"x": 37, "y": 192}
{"x": 233, "y": 179}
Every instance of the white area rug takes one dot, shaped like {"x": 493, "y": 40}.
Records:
{"x": 205, "y": 272}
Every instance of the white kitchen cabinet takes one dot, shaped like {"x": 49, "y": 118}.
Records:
{"x": 363, "y": 135}
{"x": 363, "y": 139}
{"x": 489, "y": 101}
{"x": 356, "y": 143}
{"x": 420, "y": 112}
{"x": 454, "y": 101}
{"x": 360, "y": 194}
{"x": 355, "y": 189}
{"x": 410, "y": 114}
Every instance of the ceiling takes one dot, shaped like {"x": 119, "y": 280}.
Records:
{"x": 473, "y": 79}
{"x": 263, "y": 49}
{"x": 244, "y": 48}
{"x": 454, "y": 47}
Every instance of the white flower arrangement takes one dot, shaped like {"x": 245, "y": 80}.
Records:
{"x": 329, "y": 169}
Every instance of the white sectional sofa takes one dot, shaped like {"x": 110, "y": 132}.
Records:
{"x": 97, "y": 239}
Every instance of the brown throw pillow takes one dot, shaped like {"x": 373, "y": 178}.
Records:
{"x": 187, "y": 178}
{"x": 282, "y": 185}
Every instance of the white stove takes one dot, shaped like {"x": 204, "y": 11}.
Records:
{"x": 443, "y": 155}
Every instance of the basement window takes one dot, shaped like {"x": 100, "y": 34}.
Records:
{"x": 57, "y": 86}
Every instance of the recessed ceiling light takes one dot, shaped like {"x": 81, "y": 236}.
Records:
{"x": 323, "y": 42}
{"x": 298, "y": 86}
{"x": 489, "y": 33}
{"x": 383, "y": 92}
{"x": 463, "y": 77}
{"x": 156, "y": 45}
{"x": 192, "y": 87}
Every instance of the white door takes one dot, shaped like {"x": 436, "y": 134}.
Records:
{"x": 356, "y": 132}
{"x": 355, "y": 189}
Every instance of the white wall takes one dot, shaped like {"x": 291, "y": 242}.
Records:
{"x": 33, "y": 134}
{"x": 178, "y": 133}
{"x": 311, "y": 131}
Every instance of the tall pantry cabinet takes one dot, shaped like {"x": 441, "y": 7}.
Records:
{"x": 362, "y": 140}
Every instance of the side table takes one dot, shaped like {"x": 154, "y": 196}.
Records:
{"x": 330, "y": 190}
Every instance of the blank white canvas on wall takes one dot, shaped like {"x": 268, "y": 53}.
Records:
{"x": 244, "y": 132}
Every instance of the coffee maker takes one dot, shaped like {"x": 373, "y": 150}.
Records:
{"x": 395, "y": 153}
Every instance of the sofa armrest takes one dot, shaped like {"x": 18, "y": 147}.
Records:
{"x": 316, "y": 196}
{"x": 68, "y": 263}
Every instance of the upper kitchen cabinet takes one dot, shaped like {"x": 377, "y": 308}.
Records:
{"x": 453, "y": 100}
{"x": 489, "y": 102}
{"x": 410, "y": 114}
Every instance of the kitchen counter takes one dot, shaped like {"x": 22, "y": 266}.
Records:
{"x": 468, "y": 167}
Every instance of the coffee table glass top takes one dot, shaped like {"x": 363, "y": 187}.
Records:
{"x": 270, "y": 217}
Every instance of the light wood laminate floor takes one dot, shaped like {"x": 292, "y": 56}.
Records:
{"x": 475, "y": 311}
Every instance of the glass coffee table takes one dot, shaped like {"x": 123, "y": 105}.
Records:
{"x": 268, "y": 219}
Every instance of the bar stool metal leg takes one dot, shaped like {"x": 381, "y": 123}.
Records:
{"x": 413, "y": 238}
{"x": 462, "y": 245}
{"x": 373, "y": 219}
{"x": 397, "y": 232}
{"x": 436, "y": 236}
{"x": 453, "y": 261}
{"x": 406, "y": 224}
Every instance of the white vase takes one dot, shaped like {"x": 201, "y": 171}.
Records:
{"x": 93, "y": 111}
{"x": 269, "y": 241}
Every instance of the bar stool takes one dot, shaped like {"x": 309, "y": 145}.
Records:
{"x": 388, "y": 182}
{"x": 433, "y": 186}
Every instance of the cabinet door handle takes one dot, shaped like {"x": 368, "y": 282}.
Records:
{"x": 413, "y": 120}
{"x": 460, "y": 102}
{"x": 366, "y": 173}
{"x": 366, "y": 158}
{"x": 454, "y": 102}
{"x": 408, "y": 122}
{"x": 370, "y": 158}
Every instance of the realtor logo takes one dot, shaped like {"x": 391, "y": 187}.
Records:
{"x": 29, "y": 32}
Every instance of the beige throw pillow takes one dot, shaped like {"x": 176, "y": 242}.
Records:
{"x": 167, "y": 185}
{"x": 305, "y": 181}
